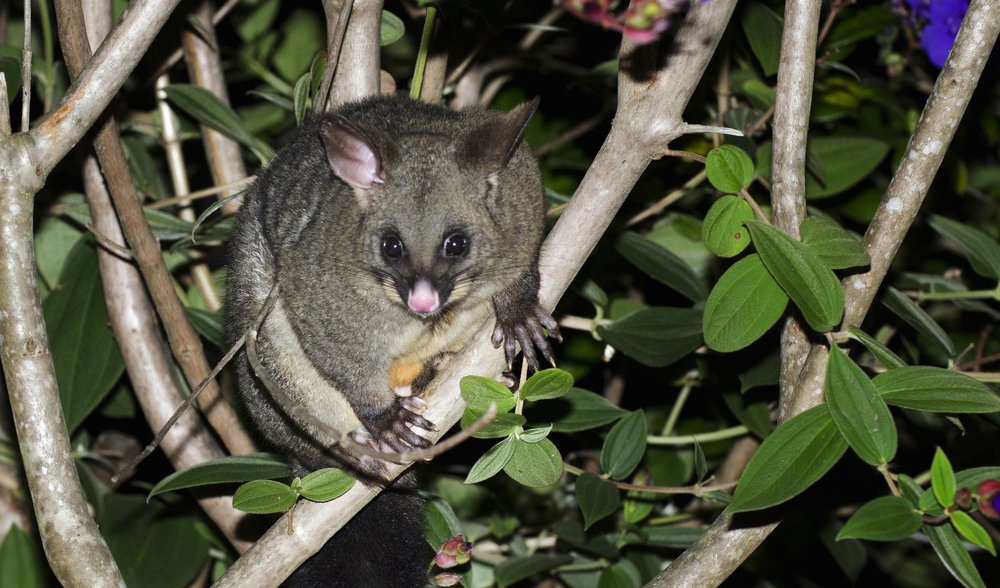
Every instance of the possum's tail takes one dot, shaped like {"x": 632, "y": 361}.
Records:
{"x": 382, "y": 546}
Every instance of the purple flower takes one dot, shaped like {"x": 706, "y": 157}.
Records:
{"x": 989, "y": 498}
{"x": 941, "y": 20}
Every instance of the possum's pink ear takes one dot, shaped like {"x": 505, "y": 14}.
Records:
{"x": 351, "y": 153}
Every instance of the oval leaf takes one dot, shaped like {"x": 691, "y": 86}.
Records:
{"x": 917, "y": 318}
{"x": 883, "y": 354}
{"x": 661, "y": 264}
{"x": 207, "y": 109}
{"x": 983, "y": 252}
{"x": 536, "y": 465}
{"x": 763, "y": 30}
{"x": 86, "y": 357}
{"x": 225, "y": 470}
{"x": 479, "y": 392}
{"x": 943, "y": 479}
{"x": 723, "y": 231}
{"x": 729, "y": 168}
{"x": 859, "y": 412}
{"x": 656, "y": 336}
{"x": 743, "y": 305}
{"x": 954, "y": 556}
{"x": 326, "y": 484}
{"x": 813, "y": 287}
{"x": 790, "y": 460}
{"x": 578, "y": 410}
{"x": 264, "y": 497}
{"x": 624, "y": 446}
{"x": 935, "y": 389}
{"x": 547, "y": 384}
{"x": 503, "y": 424}
{"x": 535, "y": 435}
{"x": 837, "y": 248}
{"x": 972, "y": 531}
{"x": 598, "y": 498}
{"x": 845, "y": 161}
{"x": 392, "y": 29}
{"x": 514, "y": 570}
{"x": 22, "y": 561}
{"x": 491, "y": 462}
{"x": 889, "y": 518}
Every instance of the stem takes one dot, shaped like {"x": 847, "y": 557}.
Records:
{"x": 425, "y": 42}
{"x": 960, "y": 295}
{"x": 675, "y": 411}
{"x": 679, "y": 440}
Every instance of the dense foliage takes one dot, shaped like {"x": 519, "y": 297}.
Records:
{"x": 601, "y": 472}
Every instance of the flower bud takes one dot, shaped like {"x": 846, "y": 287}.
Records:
{"x": 447, "y": 579}
{"x": 989, "y": 498}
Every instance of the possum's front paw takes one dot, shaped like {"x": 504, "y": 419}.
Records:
{"x": 399, "y": 429}
{"x": 526, "y": 327}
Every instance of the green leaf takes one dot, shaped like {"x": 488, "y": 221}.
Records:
{"x": 858, "y": 411}
{"x": 11, "y": 69}
{"x": 844, "y": 160}
{"x": 763, "y": 373}
{"x": 943, "y": 479}
{"x": 207, "y": 323}
{"x": 259, "y": 19}
{"x": 22, "y": 561}
{"x": 264, "y": 497}
{"x": 516, "y": 569}
{"x": 744, "y": 304}
{"x": 859, "y": 25}
{"x": 491, "y": 462}
{"x": 547, "y": 384}
{"x": 983, "y": 252}
{"x": 723, "y": 231}
{"x": 656, "y": 336}
{"x": 55, "y": 237}
{"x": 972, "y": 531}
{"x": 624, "y": 446}
{"x": 888, "y": 518}
{"x": 536, "y": 465}
{"x": 763, "y": 30}
{"x": 832, "y": 243}
{"x": 598, "y": 498}
{"x": 441, "y": 522}
{"x": 915, "y": 316}
{"x": 300, "y": 98}
{"x": 505, "y": 423}
{"x": 86, "y": 357}
{"x": 813, "y": 287}
{"x": 791, "y": 459}
{"x": 224, "y": 470}
{"x": 326, "y": 484}
{"x": 207, "y": 109}
{"x": 700, "y": 464}
{"x": 578, "y": 410}
{"x": 729, "y": 168}
{"x": 671, "y": 536}
{"x": 616, "y": 576}
{"x": 936, "y": 390}
{"x": 883, "y": 354}
{"x": 661, "y": 264}
{"x": 954, "y": 555}
{"x": 391, "y": 30}
{"x": 479, "y": 392}
{"x": 535, "y": 435}
{"x": 302, "y": 36}
{"x": 153, "y": 546}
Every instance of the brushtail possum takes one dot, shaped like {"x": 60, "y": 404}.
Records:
{"x": 394, "y": 231}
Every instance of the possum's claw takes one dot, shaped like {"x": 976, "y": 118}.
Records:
{"x": 528, "y": 330}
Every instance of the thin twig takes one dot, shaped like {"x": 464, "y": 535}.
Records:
{"x": 107, "y": 243}
{"x": 334, "y": 45}
{"x": 25, "y": 71}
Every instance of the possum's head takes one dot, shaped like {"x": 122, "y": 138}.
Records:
{"x": 449, "y": 212}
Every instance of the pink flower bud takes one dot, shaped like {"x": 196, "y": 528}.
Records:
{"x": 447, "y": 579}
{"x": 989, "y": 498}
{"x": 454, "y": 551}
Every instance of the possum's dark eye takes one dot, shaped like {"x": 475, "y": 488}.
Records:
{"x": 455, "y": 244}
{"x": 392, "y": 247}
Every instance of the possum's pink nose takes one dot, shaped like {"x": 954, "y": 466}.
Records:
{"x": 423, "y": 298}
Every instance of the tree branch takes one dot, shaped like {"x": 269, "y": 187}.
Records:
{"x": 99, "y": 81}
{"x": 359, "y": 62}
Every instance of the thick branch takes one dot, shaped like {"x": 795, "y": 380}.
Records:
{"x": 648, "y": 117}
{"x": 75, "y": 549}
{"x": 93, "y": 89}
{"x": 360, "y": 59}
